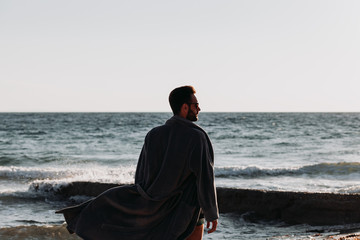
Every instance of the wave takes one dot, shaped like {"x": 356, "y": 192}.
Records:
{"x": 322, "y": 169}
{"x": 10, "y": 160}
{"x": 73, "y": 191}
{"x": 31, "y": 173}
{"x": 341, "y": 170}
{"x": 33, "y": 183}
{"x": 55, "y": 184}
{"x": 122, "y": 174}
{"x": 35, "y": 132}
{"x": 125, "y": 174}
{"x": 54, "y": 193}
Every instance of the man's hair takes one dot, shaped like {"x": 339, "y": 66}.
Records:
{"x": 179, "y": 96}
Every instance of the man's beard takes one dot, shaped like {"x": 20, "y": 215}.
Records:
{"x": 191, "y": 116}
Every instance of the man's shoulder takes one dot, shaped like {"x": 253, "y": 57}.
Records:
{"x": 180, "y": 126}
{"x": 192, "y": 131}
{"x": 159, "y": 129}
{"x": 199, "y": 134}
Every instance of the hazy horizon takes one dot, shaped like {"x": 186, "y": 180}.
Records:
{"x": 15, "y": 112}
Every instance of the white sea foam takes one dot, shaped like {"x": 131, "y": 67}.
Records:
{"x": 31, "y": 173}
{"x": 122, "y": 174}
{"x": 343, "y": 170}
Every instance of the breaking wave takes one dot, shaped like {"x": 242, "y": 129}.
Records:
{"x": 26, "y": 173}
{"x": 55, "y": 184}
{"x": 124, "y": 174}
{"x": 322, "y": 169}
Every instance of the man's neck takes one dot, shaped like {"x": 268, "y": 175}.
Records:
{"x": 181, "y": 115}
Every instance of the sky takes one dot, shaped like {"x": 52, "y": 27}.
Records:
{"x": 126, "y": 56}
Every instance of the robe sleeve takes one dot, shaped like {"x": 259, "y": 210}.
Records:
{"x": 140, "y": 168}
{"x": 201, "y": 164}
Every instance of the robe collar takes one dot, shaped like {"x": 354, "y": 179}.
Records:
{"x": 182, "y": 120}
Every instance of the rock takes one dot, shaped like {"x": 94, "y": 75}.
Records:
{"x": 290, "y": 207}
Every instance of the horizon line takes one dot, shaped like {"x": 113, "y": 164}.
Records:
{"x": 172, "y": 113}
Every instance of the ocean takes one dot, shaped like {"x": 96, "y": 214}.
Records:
{"x": 40, "y": 152}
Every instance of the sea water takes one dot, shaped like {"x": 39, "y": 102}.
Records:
{"x": 310, "y": 152}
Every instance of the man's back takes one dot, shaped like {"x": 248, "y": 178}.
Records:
{"x": 176, "y": 162}
{"x": 165, "y": 161}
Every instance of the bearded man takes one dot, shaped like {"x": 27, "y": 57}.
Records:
{"x": 174, "y": 186}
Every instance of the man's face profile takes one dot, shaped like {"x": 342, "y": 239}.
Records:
{"x": 193, "y": 110}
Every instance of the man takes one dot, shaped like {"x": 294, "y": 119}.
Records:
{"x": 174, "y": 185}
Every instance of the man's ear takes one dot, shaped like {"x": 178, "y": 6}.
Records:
{"x": 184, "y": 110}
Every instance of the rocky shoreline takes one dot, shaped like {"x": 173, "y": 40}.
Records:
{"x": 290, "y": 207}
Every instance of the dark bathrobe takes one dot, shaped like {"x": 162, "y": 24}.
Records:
{"x": 174, "y": 181}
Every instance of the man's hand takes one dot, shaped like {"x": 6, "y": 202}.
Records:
{"x": 213, "y": 226}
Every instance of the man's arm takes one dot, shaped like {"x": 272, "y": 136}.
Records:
{"x": 202, "y": 166}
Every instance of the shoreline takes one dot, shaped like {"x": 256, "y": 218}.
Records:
{"x": 316, "y": 209}
{"x": 59, "y": 232}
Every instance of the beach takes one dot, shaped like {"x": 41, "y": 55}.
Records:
{"x": 272, "y": 153}
{"x": 226, "y": 231}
